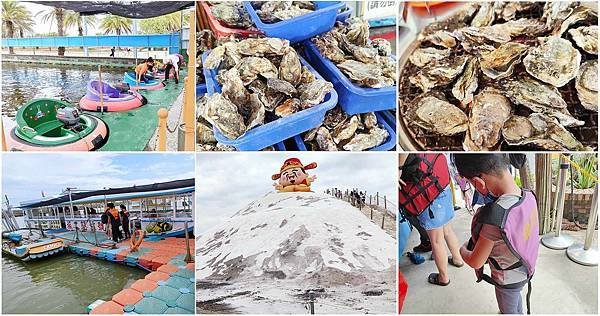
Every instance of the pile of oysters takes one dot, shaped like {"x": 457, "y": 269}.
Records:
{"x": 340, "y": 131}
{"x": 262, "y": 80}
{"x": 501, "y": 74}
{"x": 231, "y": 14}
{"x": 368, "y": 63}
{"x": 277, "y": 11}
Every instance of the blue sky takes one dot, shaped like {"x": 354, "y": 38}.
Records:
{"x": 227, "y": 182}
{"x": 26, "y": 175}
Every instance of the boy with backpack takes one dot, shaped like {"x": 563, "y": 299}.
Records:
{"x": 504, "y": 232}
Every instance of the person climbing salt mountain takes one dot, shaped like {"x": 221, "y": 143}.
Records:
{"x": 293, "y": 177}
{"x": 504, "y": 232}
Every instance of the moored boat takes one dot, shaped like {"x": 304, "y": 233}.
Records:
{"x": 153, "y": 84}
{"x": 113, "y": 99}
{"x": 31, "y": 246}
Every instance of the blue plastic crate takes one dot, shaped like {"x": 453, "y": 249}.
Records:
{"x": 200, "y": 89}
{"x": 302, "y": 27}
{"x": 352, "y": 98}
{"x": 389, "y": 144}
{"x": 389, "y": 117}
{"x": 344, "y": 15}
{"x": 279, "y": 130}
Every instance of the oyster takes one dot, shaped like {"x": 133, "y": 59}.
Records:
{"x": 439, "y": 74}
{"x": 358, "y": 31}
{"x": 334, "y": 117}
{"x": 231, "y": 14}
{"x": 521, "y": 27}
{"x": 580, "y": 13}
{"x": 281, "y": 86}
{"x": 440, "y": 38}
{"x": 467, "y": 83}
{"x": 255, "y": 111}
{"x": 510, "y": 9}
{"x": 383, "y": 46}
{"x": 375, "y": 137}
{"x": 369, "y": 120}
{"x": 586, "y": 37}
{"x": 555, "y": 61}
{"x": 368, "y": 75}
{"x": 329, "y": 47}
{"x": 346, "y": 130}
{"x": 433, "y": 114}
{"x": 291, "y": 13}
{"x": 324, "y": 140}
{"x": 214, "y": 58}
{"x": 481, "y": 38}
{"x": 204, "y": 132}
{"x": 307, "y": 76}
{"x": 540, "y": 131}
{"x": 586, "y": 84}
{"x": 233, "y": 87}
{"x": 367, "y": 55}
{"x": 288, "y": 107}
{"x": 489, "y": 112}
{"x": 500, "y": 62}
{"x": 426, "y": 55}
{"x": 251, "y": 67}
{"x": 314, "y": 93}
{"x": 223, "y": 115}
{"x": 263, "y": 46}
{"x": 485, "y": 15}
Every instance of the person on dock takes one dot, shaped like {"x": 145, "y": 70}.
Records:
{"x": 113, "y": 216}
{"x": 124, "y": 213}
{"x": 142, "y": 69}
{"x": 112, "y": 52}
{"x": 172, "y": 62}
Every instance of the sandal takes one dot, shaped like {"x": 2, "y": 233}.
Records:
{"x": 451, "y": 262}
{"x": 434, "y": 278}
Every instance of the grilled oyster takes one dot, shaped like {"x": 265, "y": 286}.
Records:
{"x": 375, "y": 137}
{"x": 263, "y": 46}
{"x": 314, "y": 93}
{"x": 290, "y": 68}
{"x": 485, "y": 15}
{"x": 541, "y": 131}
{"x": 251, "y": 67}
{"x": 439, "y": 74}
{"x": 554, "y": 61}
{"x": 500, "y": 62}
{"x": 489, "y": 113}
{"x": 324, "y": 140}
{"x": 436, "y": 115}
{"x": 426, "y": 55}
{"x": 223, "y": 114}
{"x": 586, "y": 84}
{"x": 467, "y": 83}
{"x": 586, "y": 37}
{"x": 346, "y": 130}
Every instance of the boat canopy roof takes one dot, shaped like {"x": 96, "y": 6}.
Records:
{"x": 128, "y": 9}
{"x": 148, "y": 190}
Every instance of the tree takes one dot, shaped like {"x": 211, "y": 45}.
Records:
{"x": 114, "y": 24}
{"x": 15, "y": 18}
{"x": 58, "y": 15}
{"x": 164, "y": 24}
{"x": 75, "y": 20}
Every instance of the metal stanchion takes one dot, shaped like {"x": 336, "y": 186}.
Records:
{"x": 584, "y": 253}
{"x": 556, "y": 240}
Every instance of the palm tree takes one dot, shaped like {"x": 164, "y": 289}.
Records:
{"x": 115, "y": 24}
{"x": 15, "y": 17}
{"x": 74, "y": 19}
{"x": 164, "y": 24}
{"x": 58, "y": 15}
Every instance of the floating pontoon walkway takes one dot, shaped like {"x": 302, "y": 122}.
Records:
{"x": 169, "y": 287}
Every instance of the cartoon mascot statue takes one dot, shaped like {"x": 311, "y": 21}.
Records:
{"x": 293, "y": 177}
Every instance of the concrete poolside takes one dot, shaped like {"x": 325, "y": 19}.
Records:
{"x": 560, "y": 286}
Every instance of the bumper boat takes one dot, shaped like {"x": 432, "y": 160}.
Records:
{"x": 53, "y": 125}
{"x": 115, "y": 99}
{"x": 153, "y": 84}
{"x": 30, "y": 247}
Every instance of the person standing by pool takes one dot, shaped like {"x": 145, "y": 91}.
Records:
{"x": 172, "y": 62}
{"x": 112, "y": 52}
{"x": 113, "y": 217}
{"x": 142, "y": 69}
{"x": 124, "y": 213}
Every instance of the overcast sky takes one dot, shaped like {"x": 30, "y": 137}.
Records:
{"x": 26, "y": 175}
{"x": 227, "y": 182}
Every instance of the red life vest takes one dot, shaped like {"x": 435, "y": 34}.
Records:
{"x": 426, "y": 176}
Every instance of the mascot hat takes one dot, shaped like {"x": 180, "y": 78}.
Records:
{"x": 293, "y": 163}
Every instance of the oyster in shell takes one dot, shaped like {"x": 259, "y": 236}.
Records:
{"x": 510, "y": 9}
{"x": 314, "y": 93}
{"x": 288, "y": 107}
{"x": 204, "y": 132}
{"x": 251, "y": 67}
{"x": 586, "y": 84}
{"x": 441, "y": 38}
{"x": 489, "y": 112}
{"x": 467, "y": 83}
{"x": 231, "y": 14}
{"x": 425, "y": 55}
{"x": 223, "y": 114}
{"x": 586, "y": 37}
{"x": 521, "y": 27}
{"x": 307, "y": 76}
{"x": 541, "y": 131}
{"x": 281, "y": 86}
{"x": 324, "y": 140}
{"x": 358, "y": 31}
{"x": 580, "y": 13}
{"x": 433, "y": 114}
{"x": 215, "y": 57}
{"x": 439, "y": 74}
{"x": 263, "y": 46}
{"x": 375, "y": 137}
{"x": 554, "y": 61}
{"x": 369, "y": 120}
{"x": 290, "y": 68}
{"x": 368, "y": 75}
{"x": 255, "y": 111}
{"x": 233, "y": 87}
{"x": 290, "y": 13}
{"x": 485, "y": 15}
{"x": 334, "y": 117}
{"x": 500, "y": 62}
{"x": 383, "y": 46}
{"x": 329, "y": 47}
{"x": 481, "y": 38}
{"x": 346, "y": 130}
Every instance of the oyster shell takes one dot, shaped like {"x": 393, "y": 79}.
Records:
{"x": 485, "y": 15}
{"x": 578, "y": 14}
{"x": 384, "y": 47}
{"x": 233, "y": 87}
{"x": 223, "y": 114}
{"x": 510, "y": 9}
{"x": 281, "y": 86}
{"x": 324, "y": 140}
{"x": 439, "y": 74}
{"x": 481, "y": 38}
{"x": 231, "y": 14}
{"x": 369, "y": 120}
{"x": 307, "y": 76}
{"x": 358, "y": 31}
{"x": 204, "y": 132}
{"x": 314, "y": 93}
{"x": 214, "y": 58}
{"x": 554, "y": 61}
{"x": 251, "y": 67}
{"x": 467, "y": 83}
{"x": 531, "y": 27}
{"x": 433, "y": 114}
{"x": 441, "y": 38}
{"x": 334, "y": 117}
{"x": 586, "y": 37}
{"x": 489, "y": 112}
{"x": 500, "y": 62}
{"x": 329, "y": 47}
{"x": 290, "y": 68}
{"x": 368, "y": 75}
{"x": 375, "y": 137}
{"x": 586, "y": 84}
{"x": 425, "y": 55}
{"x": 288, "y": 107}
{"x": 541, "y": 131}
{"x": 290, "y": 13}
{"x": 255, "y": 110}
{"x": 263, "y": 46}
{"x": 346, "y": 130}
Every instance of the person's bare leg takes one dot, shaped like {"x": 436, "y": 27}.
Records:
{"x": 438, "y": 248}
{"x": 452, "y": 243}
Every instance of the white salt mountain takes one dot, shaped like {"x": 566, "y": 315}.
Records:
{"x": 269, "y": 256}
